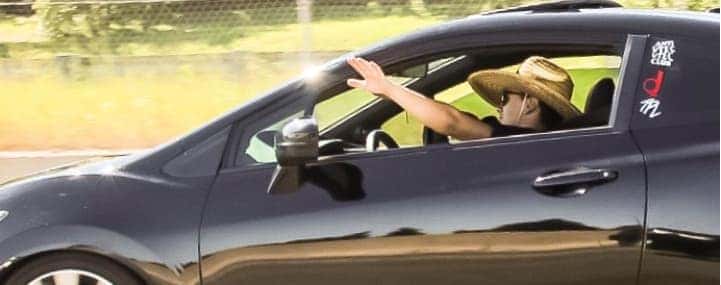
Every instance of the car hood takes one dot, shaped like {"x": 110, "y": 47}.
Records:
{"x": 99, "y": 165}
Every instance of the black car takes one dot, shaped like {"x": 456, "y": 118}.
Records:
{"x": 315, "y": 183}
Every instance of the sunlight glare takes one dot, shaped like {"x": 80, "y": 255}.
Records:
{"x": 311, "y": 72}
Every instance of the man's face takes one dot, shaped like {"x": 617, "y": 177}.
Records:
{"x": 508, "y": 113}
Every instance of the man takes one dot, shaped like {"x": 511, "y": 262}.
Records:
{"x": 534, "y": 99}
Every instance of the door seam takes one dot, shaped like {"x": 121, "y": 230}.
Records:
{"x": 644, "y": 234}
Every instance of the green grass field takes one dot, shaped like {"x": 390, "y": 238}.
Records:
{"x": 109, "y": 113}
{"x": 22, "y": 37}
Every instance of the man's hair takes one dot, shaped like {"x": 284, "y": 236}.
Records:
{"x": 549, "y": 117}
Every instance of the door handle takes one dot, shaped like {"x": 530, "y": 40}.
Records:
{"x": 573, "y": 182}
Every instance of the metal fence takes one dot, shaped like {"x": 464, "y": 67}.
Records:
{"x": 41, "y": 28}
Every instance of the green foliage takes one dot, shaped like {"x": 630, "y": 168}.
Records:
{"x": 102, "y": 27}
{"x": 698, "y": 5}
{"x": 4, "y": 51}
{"x": 81, "y": 25}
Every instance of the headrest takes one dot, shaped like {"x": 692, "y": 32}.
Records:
{"x": 601, "y": 95}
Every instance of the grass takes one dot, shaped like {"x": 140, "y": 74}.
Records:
{"x": 125, "y": 112}
{"x": 21, "y": 37}
{"x": 333, "y": 34}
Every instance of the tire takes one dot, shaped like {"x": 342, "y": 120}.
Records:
{"x": 73, "y": 263}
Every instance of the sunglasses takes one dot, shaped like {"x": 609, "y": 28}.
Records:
{"x": 505, "y": 97}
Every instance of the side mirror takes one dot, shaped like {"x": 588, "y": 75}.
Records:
{"x": 295, "y": 145}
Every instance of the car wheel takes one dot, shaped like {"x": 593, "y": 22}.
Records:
{"x": 72, "y": 269}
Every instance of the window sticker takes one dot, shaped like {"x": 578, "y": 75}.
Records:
{"x": 662, "y": 56}
{"x": 662, "y": 52}
{"x": 652, "y": 88}
{"x": 649, "y": 107}
{"x": 653, "y": 85}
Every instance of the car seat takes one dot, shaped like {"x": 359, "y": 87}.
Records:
{"x": 597, "y": 109}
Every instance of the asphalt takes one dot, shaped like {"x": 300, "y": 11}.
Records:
{"x": 14, "y": 165}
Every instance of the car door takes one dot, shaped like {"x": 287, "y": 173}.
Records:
{"x": 680, "y": 140}
{"x": 562, "y": 207}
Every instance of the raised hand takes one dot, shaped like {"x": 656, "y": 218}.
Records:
{"x": 374, "y": 80}
{"x": 440, "y": 117}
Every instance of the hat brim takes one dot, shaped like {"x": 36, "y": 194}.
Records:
{"x": 490, "y": 85}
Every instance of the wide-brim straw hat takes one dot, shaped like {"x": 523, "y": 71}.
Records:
{"x": 536, "y": 76}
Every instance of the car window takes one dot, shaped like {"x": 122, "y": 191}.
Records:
{"x": 585, "y": 72}
{"x": 334, "y": 109}
{"x": 401, "y": 127}
{"x": 202, "y": 159}
{"x": 260, "y": 145}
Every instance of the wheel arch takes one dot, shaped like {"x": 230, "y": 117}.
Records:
{"x": 41, "y": 242}
{"x": 20, "y": 263}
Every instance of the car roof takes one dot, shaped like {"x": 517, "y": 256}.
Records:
{"x": 657, "y": 21}
{"x": 688, "y": 24}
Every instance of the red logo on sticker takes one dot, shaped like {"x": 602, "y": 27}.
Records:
{"x": 652, "y": 85}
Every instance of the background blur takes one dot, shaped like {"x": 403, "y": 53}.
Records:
{"x": 114, "y": 75}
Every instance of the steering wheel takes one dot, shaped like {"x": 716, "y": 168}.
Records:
{"x": 379, "y": 136}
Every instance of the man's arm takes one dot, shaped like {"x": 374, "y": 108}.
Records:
{"x": 440, "y": 117}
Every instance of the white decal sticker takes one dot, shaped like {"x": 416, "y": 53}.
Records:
{"x": 662, "y": 52}
{"x": 649, "y": 107}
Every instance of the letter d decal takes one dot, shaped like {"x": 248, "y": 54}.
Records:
{"x": 652, "y": 86}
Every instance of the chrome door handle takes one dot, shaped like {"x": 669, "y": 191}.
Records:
{"x": 573, "y": 182}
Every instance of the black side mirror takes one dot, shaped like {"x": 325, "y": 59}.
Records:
{"x": 295, "y": 145}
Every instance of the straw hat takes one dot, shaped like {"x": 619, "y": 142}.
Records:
{"x": 537, "y": 76}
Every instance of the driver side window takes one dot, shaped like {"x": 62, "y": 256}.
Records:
{"x": 585, "y": 71}
{"x": 345, "y": 119}
{"x": 333, "y": 110}
{"x": 338, "y": 107}
{"x": 260, "y": 149}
